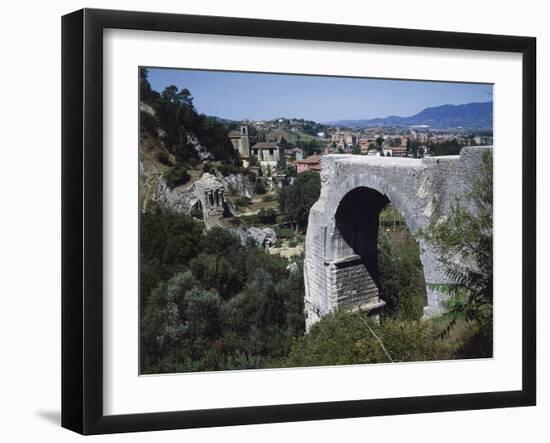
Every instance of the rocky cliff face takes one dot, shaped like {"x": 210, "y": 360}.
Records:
{"x": 153, "y": 188}
{"x": 237, "y": 184}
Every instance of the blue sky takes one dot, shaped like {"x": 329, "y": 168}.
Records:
{"x": 238, "y": 96}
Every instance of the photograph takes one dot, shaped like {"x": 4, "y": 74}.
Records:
{"x": 290, "y": 220}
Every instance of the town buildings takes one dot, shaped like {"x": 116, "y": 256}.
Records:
{"x": 311, "y": 163}
{"x": 241, "y": 144}
{"x": 270, "y": 155}
{"x": 273, "y": 157}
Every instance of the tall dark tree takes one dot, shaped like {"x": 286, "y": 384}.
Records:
{"x": 379, "y": 142}
{"x": 297, "y": 199}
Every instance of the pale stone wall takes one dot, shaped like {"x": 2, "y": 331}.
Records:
{"x": 421, "y": 190}
{"x": 211, "y": 193}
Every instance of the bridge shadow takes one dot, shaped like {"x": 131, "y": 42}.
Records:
{"x": 356, "y": 272}
{"x": 357, "y": 222}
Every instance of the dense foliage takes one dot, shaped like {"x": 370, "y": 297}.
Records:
{"x": 208, "y": 302}
{"x": 312, "y": 127}
{"x": 177, "y": 124}
{"x": 297, "y": 199}
{"x": 345, "y": 337}
{"x": 449, "y": 147}
{"x": 312, "y": 147}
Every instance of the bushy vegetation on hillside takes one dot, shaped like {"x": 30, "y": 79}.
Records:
{"x": 312, "y": 147}
{"x": 209, "y": 302}
{"x": 345, "y": 337}
{"x": 450, "y": 147}
{"x": 176, "y": 123}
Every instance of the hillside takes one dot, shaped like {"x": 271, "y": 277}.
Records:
{"x": 291, "y": 136}
{"x": 471, "y": 116}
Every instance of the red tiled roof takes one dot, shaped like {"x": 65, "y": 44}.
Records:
{"x": 310, "y": 159}
{"x": 264, "y": 145}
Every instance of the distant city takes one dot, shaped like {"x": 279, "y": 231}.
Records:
{"x": 299, "y": 144}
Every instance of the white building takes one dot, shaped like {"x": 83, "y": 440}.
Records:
{"x": 270, "y": 155}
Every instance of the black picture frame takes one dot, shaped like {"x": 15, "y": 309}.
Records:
{"x": 82, "y": 215}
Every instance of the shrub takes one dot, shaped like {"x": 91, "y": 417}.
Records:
{"x": 185, "y": 153}
{"x": 243, "y": 201}
{"x": 178, "y": 325}
{"x": 345, "y": 337}
{"x": 167, "y": 240}
{"x": 284, "y": 232}
{"x": 259, "y": 188}
{"x": 249, "y": 220}
{"x": 292, "y": 243}
{"x": 251, "y": 175}
{"x": 176, "y": 176}
{"x": 296, "y": 200}
{"x": 148, "y": 123}
{"x": 226, "y": 169}
{"x": 266, "y": 216}
{"x": 164, "y": 158}
{"x": 206, "y": 167}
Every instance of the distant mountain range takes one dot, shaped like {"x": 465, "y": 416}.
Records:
{"x": 470, "y": 115}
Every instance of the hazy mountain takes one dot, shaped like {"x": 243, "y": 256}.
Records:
{"x": 470, "y": 115}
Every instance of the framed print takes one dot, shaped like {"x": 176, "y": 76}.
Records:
{"x": 270, "y": 221}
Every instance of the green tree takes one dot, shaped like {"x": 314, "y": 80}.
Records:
{"x": 449, "y": 147}
{"x": 168, "y": 241}
{"x": 179, "y": 98}
{"x": 345, "y": 337}
{"x": 266, "y": 316}
{"x": 297, "y": 199}
{"x": 259, "y": 188}
{"x": 146, "y": 93}
{"x": 176, "y": 116}
{"x": 176, "y": 176}
{"x": 178, "y": 323}
{"x": 412, "y": 148}
{"x": 379, "y": 142}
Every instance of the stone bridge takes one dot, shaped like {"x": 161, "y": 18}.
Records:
{"x": 341, "y": 261}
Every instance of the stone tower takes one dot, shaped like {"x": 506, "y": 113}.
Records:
{"x": 241, "y": 143}
{"x": 244, "y": 145}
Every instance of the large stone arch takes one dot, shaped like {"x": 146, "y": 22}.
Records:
{"x": 420, "y": 189}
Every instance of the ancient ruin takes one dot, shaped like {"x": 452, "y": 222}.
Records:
{"x": 209, "y": 195}
{"x": 341, "y": 261}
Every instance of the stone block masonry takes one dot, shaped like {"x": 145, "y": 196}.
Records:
{"x": 341, "y": 267}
